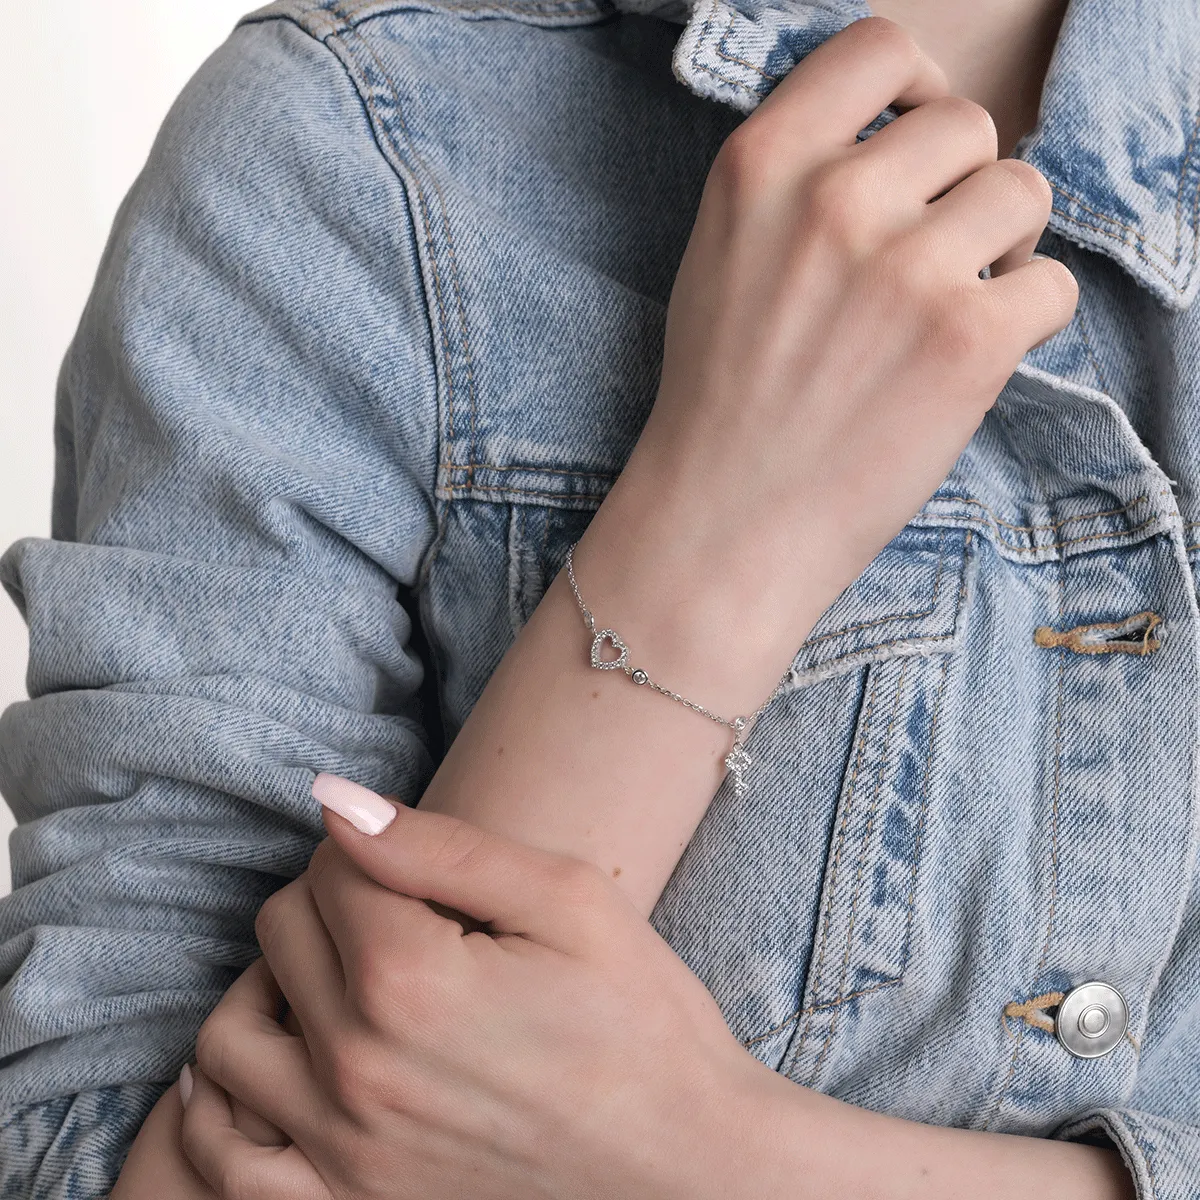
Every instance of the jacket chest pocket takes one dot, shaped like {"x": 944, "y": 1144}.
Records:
{"x": 798, "y": 901}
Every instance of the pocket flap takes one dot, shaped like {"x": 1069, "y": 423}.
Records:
{"x": 908, "y": 601}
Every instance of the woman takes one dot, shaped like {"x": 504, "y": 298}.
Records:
{"x": 309, "y": 378}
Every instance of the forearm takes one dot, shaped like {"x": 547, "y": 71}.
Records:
{"x": 843, "y": 1151}
{"x": 583, "y": 762}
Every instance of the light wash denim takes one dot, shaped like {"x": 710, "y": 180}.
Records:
{"x": 377, "y": 328}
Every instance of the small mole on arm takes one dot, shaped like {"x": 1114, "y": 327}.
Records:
{"x": 616, "y": 872}
{"x": 499, "y": 751}
{"x": 595, "y": 695}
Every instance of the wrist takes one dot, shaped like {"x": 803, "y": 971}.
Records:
{"x": 702, "y": 600}
{"x": 772, "y": 1140}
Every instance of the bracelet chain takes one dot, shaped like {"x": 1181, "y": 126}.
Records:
{"x": 738, "y": 759}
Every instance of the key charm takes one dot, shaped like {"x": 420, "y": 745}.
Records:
{"x": 605, "y": 641}
{"x": 738, "y": 762}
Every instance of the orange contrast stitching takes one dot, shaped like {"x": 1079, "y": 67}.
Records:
{"x": 906, "y": 616}
{"x": 733, "y": 58}
{"x": 454, "y": 273}
{"x": 1053, "y": 526}
{"x": 700, "y": 41}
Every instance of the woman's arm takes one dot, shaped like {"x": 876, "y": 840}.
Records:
{"x": 721, "y": 543}
{"x": 785, "y": 448}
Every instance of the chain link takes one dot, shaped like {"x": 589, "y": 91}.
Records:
{"x": 737, "y": 760}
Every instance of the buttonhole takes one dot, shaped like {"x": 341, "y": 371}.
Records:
{"x": 1139, "y": 634}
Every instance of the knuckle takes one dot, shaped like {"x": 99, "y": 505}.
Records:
{"x": 577, "y": 883}
{"x": 958, "y": 331}
{"x": 878, "y": 35}
{"x": 269, "y": 918}
{"x": 212, "y": 1046}
{"x": 969, "y": 120}
{"x": 1027, "y": 184}
{"x": 459, "y": 846}
{"x": 414, "y": 990}
{"x": 352, "y": 1074}
{"x": 840, "y": 195}
{"x": 910, "y": 271}
{"x": 741, "y": 170}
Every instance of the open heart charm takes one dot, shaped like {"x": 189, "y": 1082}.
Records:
{"x": 610, "y": 664}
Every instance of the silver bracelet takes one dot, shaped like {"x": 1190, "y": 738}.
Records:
{"x": 738, "y": 759}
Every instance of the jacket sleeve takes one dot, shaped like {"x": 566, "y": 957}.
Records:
{"x": 1158, "y": 1133}
{"x": 246, "y": 442}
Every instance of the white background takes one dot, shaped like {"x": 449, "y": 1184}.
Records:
{"x": 81, "y": 96}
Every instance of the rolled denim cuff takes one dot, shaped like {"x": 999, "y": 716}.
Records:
{"x": 72, "y": 1146}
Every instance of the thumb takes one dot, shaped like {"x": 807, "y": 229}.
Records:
{"x": 558, "y": 901}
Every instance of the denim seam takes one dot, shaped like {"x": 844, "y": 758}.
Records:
{"x": 1179, "y": 291}
{"x": 381, "y": 130}
{"x": 851, "y": 793}
{"x": 1058, "y": 545}
{"x": 733, "y": 58}
{"x": 454, "y": 272}
{"x": 1054, "y": 864}
{"x": 487, "y": 466}
{"x": 905, "y": 616}
{"x": 1148, "y": 1151}
{"x": 1101, "y": 378}
{"x": 1052, "y": 526}
{"x": 911, "y": 639}
{"x": 702, "y": 41}
{"x": 863, "y": 854}
{"x": 912, "y": 887}
{"x": 1175, "y": 259}
{"x": 357, "y": 14}
{"x": 515, "y": 491}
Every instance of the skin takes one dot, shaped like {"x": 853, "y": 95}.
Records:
{"x": 780, "y": 224}
{"x": 994, "y": 52}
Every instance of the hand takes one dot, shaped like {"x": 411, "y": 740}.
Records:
{"x": 830, "y": 345}
{"x": 566, "y": 1052}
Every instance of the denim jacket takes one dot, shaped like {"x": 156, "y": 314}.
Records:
{"x": 376, "y": 329}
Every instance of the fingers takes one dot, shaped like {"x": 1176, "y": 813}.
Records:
{"x": 243, "y": 1049}
{"x": 384, "y": 939}
{"x": 560, "y": 902}
{"x": 230, "y": 1163}
{"x": 927, "y": 151}
{"x": 1038, "y": 297}
{"x": 995, "y": 212}
{"x": 302, "y": 959}
{"x": 843, "y": 85}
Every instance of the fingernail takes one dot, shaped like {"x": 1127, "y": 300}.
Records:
{"x": 1035, "y": 254}
{"x": 185, "y": 1084}
{"x": 367, "y": 812}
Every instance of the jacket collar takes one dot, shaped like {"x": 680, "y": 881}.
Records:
{"x": 1117, "y": 137}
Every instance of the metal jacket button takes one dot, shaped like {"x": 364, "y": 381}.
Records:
{"x": 1091, "y": 1020}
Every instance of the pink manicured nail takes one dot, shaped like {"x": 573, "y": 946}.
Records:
{"x": 367, "y": 812}
{"x": 185, "y": 1084}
